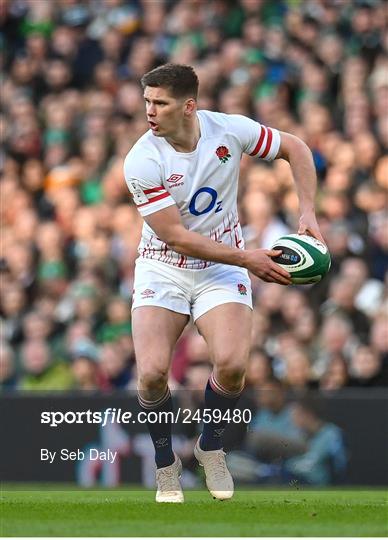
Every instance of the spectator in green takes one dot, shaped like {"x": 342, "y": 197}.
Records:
{"x": 41, "y": 371}
{"x": 118, "y": 321}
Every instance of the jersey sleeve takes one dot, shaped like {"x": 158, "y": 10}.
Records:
{"x": 144, "y": 180}
{"x": 255, "y": 139}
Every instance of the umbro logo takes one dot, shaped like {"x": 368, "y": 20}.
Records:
{"x": 174, "y": 180}
{"x": 148, "y": 293}
{"x": 219, "y": 432}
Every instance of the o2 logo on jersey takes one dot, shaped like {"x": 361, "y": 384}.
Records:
{"x": 205, "y": 195}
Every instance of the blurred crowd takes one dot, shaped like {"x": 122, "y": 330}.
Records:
{"x": 72, "y": 108}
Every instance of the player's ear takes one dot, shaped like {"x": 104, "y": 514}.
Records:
{"x": 190, "y": 106}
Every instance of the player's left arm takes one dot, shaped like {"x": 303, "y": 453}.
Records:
{"x": 300, "y": 158}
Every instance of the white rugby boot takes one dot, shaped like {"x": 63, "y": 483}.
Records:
{"x": 219, "y": 481}
{"x": 168, "y": 486}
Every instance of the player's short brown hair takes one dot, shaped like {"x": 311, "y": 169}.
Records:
{"x": 179, "y": 79}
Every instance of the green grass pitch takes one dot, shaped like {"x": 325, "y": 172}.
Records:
{"x": 125, "y": 512}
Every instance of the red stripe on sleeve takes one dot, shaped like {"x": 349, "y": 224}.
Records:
{"x": 157, "y": 198}
{"x": 259, "y": 142}
{"x": 268, "y": 145}
{"x": 147, "y": 191}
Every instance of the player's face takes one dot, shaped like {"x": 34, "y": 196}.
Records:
{"x": 165, "y": 114}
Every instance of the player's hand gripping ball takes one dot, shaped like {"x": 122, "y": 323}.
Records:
{"x": 304, "y": 257}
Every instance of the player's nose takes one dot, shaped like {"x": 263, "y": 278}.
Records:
{"x": 151, "y": 110}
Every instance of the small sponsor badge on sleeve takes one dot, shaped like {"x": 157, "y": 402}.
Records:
{"x": 139, "y": 197}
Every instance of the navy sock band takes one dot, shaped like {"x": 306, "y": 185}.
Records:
{"x": 160, "y": 431}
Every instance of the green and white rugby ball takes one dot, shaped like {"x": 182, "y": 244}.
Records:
{"x": 305, "y": 258}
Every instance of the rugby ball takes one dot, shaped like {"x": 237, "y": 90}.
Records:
{"x": 305, "y": 258}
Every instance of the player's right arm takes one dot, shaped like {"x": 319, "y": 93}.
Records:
{"x": 144, "y": 179}
{"x": 168, "y": 226}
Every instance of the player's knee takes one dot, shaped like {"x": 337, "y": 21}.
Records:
{"x": 152, "y": 379}
{"x": 230, "y": 374}
{"x": 229, "y": 363}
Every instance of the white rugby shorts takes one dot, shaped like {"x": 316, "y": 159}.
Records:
{"x": 191, "y": 292}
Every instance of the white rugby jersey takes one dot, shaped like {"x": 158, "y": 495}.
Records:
{"x": 203, "y": 183}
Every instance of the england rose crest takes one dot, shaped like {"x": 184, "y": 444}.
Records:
{"x": 242, "y": 289}
{"x": 222, "y": 153}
